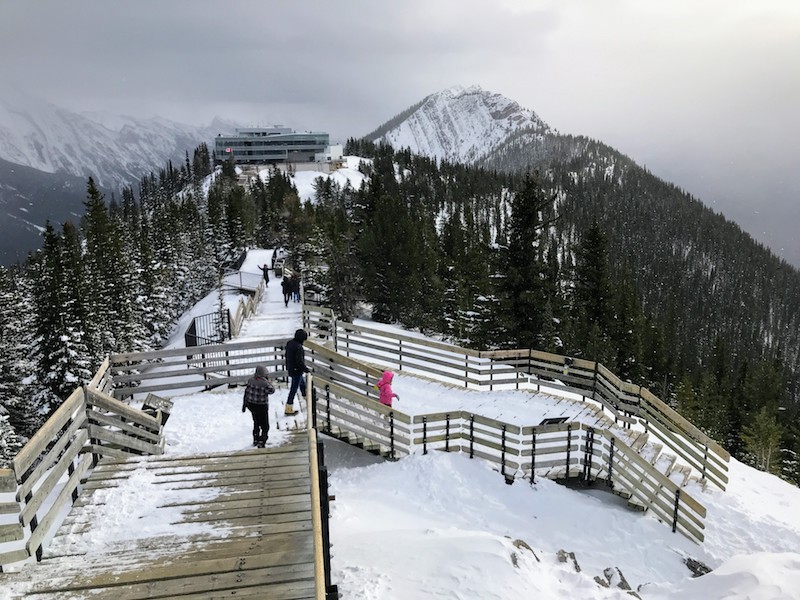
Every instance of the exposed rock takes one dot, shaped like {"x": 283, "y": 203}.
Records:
{"x": 613, "y": 577}
{"x": 564, "y": 556}
{"x": 519, "y": 545}
{"x": 697, "y": 568}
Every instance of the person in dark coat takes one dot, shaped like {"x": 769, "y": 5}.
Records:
{"x": 286, "y": 286}
{"x": 265, "y": 271}
{"x": 256, "y": 399}
{"x": 296, "y": 367}
{"x": 296, "y": 287}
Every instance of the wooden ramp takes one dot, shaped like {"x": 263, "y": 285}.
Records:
{"x": 240, "y": 527}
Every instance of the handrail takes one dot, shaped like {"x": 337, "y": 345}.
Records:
{"x": 627, "y": 403}
{"x": 515, "y": 450}
{"x": 89, "y": 424}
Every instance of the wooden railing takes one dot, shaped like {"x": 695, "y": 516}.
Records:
{"x": 629, "y": 404}
{"x": 244, "y": 309}
{"x": 346, "y": 406}
{"x": 89, "y": 424}
{"x": 198, "y": 367}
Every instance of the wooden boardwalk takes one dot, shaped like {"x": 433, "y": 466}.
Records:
{"x": 240, "y": 526}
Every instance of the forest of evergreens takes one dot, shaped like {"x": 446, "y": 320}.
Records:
{"x": 598, "y": 260}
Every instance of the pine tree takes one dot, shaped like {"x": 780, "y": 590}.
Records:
{"x": 592, "y": 302}
{"x": 524, "y": 290}
{"x": 762, "y": 440}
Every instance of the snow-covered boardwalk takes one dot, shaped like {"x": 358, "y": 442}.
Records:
{"x": 240, "y": 525}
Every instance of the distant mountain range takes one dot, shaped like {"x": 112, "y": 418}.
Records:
{"x": 47, "y": 153}
{"x": 687, "y": 259}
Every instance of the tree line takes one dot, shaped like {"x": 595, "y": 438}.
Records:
{"x": 483, "y": 257}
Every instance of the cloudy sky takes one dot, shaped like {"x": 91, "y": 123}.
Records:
{"x": 705, "y": 93}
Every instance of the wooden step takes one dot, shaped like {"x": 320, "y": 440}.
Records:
{"x": 651, "y": 452}
{"x": 665, "y": 463}
{"x": 680, "y": 474}
{"x": 637, "y": 504}
{"x": 640, "y": 441}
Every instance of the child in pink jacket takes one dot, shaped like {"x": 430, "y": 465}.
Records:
{"x": 385, "y": 387}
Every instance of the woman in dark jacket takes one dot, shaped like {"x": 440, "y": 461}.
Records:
{"x": 296, "y": 367}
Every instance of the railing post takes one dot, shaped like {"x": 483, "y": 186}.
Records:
{"x": 503, "y": 452}
{"x": 391, "y": 433}
{"x": 424, "y": 435}
{"x": 587, "y": 459}
{"x": 447, "y": 433}
{"x": 400, "y": 355}
{"x": 466, "y": 371}
{"x": 609, "y": 480}
{"x": 533, "y": 455}
{"x": 569, "y": 446}
{"x": 34, "y": 524}
{"x": 328, "y": 408}
{"x": 675, "y": 513}
{"x": 70, "y": 471}
{"x": 313, "y": 407}
{"x": 705, "y": 459}
{"x": 471, "y": 436}
{"x": 92, "y": 441}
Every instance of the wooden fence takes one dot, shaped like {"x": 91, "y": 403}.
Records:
{"x": 346, "y": 406}
{"x": 201, "y": 367}
{"x": 244, "y": 309}
{"x": 629, "y": 404}
{"x": 88, "y": 425}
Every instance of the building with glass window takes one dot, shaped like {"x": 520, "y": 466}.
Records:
{"x": 269, "y": 146}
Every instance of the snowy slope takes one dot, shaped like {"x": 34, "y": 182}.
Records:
{"x": 459, "y": 124}
{"x": 115, "y": 150}
{"x": 444, "y": 526}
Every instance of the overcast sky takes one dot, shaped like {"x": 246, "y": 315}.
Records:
{"x": 705, "y": 93}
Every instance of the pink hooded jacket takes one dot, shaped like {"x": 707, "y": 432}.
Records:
{"x": 385, "y": 387}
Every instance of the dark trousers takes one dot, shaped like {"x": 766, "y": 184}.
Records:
{"x": 260, "y": 414}
{"x": 298, "y": 381}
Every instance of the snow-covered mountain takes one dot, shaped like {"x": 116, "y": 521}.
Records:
{"x": 114, "y": 150}
{"x": 47, "y": 153}
{"x": 459, "y": 124}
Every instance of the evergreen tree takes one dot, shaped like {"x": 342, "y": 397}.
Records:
{"x": 524, "y": 293}
{"x": 762, "y": 440}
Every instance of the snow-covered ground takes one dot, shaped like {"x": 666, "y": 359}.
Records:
{"x": 444, "y": 526}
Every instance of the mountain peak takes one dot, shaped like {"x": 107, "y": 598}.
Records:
{"x": 459, "y": 123}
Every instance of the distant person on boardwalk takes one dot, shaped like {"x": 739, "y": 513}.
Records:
{"x": 286, "y": 286}
{"x": 296, "y": 287}
{"x": 265, "y": 270}
{"x": 256, "y": 399}
{"x": 385, "y": 389}
{"x": 296, "y": 368}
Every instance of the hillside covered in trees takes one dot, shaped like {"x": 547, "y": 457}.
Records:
{"x": 583, "y": 260}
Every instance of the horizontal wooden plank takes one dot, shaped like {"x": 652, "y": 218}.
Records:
{"x": 231, "y": 347}
{"x": 72, "y": 407}
{"x": 110, "y": 420}
{"x": 122, "y": 441}
{"x": 49, "y": 520}
{"x": 8, "y": 480}
{"x": 104, "y": 401}
{"x": 11, "y": 532}
{"x": 53, "y": 476}
{"x": 12, "y": 556}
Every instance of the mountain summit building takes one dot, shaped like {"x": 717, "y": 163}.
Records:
{"x": 270, "y": 146}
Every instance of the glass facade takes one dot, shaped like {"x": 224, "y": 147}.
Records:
{"x": 273, "y": 145}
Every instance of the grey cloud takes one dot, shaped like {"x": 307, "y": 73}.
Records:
{"x": 686, "y": 88}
